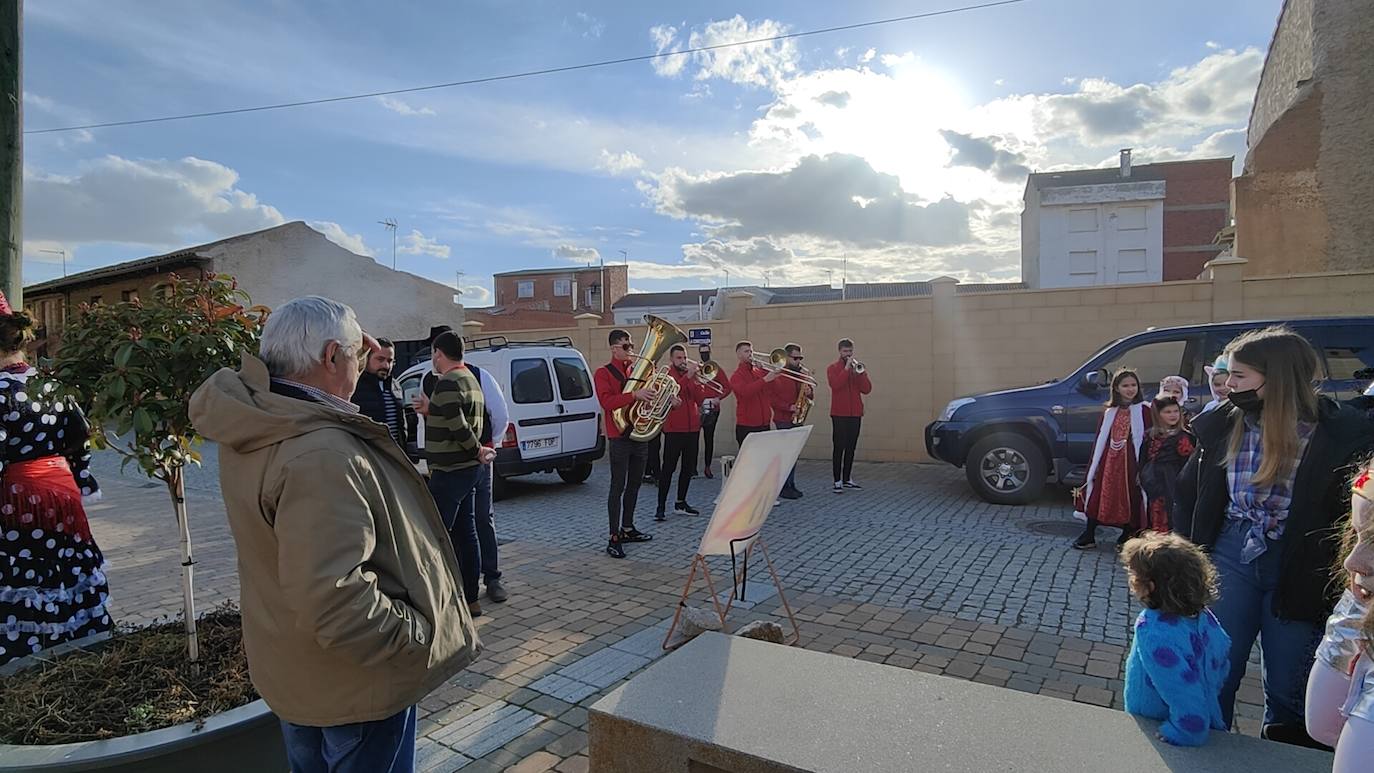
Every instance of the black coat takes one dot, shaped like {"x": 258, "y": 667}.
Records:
{"x": 1321, "y": 502}
{"x": 367, "y": 395}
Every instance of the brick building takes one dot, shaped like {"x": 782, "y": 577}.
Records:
{"x": 1302, "y": 201}
{"x": 1124, "y": 225}
{"x": 551, "y": 297}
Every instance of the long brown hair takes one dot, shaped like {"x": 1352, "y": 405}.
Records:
{"x": 1289, "y": 366}
{"x": 1115, "y": 400}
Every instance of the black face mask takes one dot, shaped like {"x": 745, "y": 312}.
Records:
{"x": 1248, "y": 401}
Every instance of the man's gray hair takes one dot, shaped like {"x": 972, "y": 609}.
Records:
{"x": 297, "y": 332}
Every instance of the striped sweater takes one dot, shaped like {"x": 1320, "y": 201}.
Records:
{"x": 454, "y": 424}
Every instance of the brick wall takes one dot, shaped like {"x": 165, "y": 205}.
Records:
{"x": 52, "y": 309}
{"x": 924, "y": 352}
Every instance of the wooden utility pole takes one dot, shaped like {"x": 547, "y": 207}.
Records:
{"x": 12, "y": 152}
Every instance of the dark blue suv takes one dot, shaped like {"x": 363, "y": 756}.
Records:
{"x": 1011, "y": 442}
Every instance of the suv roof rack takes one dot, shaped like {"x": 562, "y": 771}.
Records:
{"x": 493, "y": 343}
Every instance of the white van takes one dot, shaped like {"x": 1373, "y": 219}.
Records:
{"x": 555, "y": 419}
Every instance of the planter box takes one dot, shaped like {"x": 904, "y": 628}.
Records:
{"x": 247, "y": 738}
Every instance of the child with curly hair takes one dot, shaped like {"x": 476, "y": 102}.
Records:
{"x": 1179, "y": 656}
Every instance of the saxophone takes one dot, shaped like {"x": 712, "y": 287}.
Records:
{"x": 639, "y": 420}
{"x": 802, "y": 407}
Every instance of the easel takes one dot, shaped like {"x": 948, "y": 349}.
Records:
{"x": 738, "y": 581}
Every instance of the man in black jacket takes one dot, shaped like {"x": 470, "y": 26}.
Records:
{"x": 378, "y": 396}
{"x": 1303, "y": 590}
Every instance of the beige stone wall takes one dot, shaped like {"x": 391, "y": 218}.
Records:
{"x": 924, "y": 352}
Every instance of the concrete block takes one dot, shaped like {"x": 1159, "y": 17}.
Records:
{"x": 748, "y": 707}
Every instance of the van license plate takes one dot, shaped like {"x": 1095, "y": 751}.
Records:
{"x": 537, "y": 443}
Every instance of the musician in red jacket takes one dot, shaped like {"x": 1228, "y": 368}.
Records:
{"x": 848, "y": 384}
{"x": 627, "y": 456}
{"x": 710, "y": 412}
{"x": 785, "y": 392}
{"x": 680, "y": 432}
{"x": 753, "y": 399}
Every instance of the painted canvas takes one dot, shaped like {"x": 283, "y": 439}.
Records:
{"x": 749, "y": 492}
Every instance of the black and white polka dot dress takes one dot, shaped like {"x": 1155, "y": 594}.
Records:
{"x": 52, "y": 574}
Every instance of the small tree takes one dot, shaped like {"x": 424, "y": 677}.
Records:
{"x": 133, "y": 367}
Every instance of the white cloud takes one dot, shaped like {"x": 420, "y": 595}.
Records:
{"x": 620, "y": 163}
{"x": 758, "y": 252}
{"x": 1212, "y": 44}
{"x": 475, "y": 295}
{"x": 575, "y": 253}
{"x": 335, "y": 233}
{"x": 893, "y": 61}
{"x": 1000, "y": 82}
{"x": 416, "y": 243}
{"x": 868, "y": 56}
{"x": 592, "y": 27}
{"x": 142, "y": 201}
{"x": 757, "y": 64}
{"x": 404, "y": 108}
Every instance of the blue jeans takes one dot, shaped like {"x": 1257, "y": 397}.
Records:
{"x": 453, "y": 492}
{"x": 384, "y": 746}
{"x": 486, "y": 525}
{"x": 1246, "y": 610}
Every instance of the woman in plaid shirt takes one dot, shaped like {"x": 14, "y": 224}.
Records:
{"x": 1264, "y": 494}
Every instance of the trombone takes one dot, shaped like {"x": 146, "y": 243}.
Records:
{"x": 706, "y": 376}
{"x": 777, "y": 361}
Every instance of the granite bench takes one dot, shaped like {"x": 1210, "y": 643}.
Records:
{"x": 722, "y": 704}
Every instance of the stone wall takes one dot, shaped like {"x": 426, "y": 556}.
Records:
{"x": 924, "y": 352}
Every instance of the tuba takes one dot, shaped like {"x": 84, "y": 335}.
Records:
{"x": 639, "y": 420}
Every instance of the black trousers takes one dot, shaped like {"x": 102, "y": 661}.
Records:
{"x": 627, "y": 473}
{"x": 742, "y": 432}
{"x": 844, "y": 433}
{"x": 679, "y": 450}
{"x": 708, "y": 436}
{"x": 654, "y": 456}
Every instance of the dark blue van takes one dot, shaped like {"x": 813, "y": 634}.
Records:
{"x": 1011, "y": 443}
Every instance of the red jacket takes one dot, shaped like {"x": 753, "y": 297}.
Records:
{"x": 752, "y": 397}
{"x": 847, "y": 389}
{"x": 609, "y": 392}
{"x": 685, "y": 417}
{"x": 782, "y": 394}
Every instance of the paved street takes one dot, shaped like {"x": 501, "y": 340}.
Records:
{"x": 911, "y": 571}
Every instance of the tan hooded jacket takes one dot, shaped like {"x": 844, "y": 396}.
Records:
{"x": 351, "y": 609}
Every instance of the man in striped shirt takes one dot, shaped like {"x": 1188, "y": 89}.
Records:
{"x": 455, "y": 454}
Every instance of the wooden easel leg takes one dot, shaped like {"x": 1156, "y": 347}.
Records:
{"x": 796, "y": 630}
{"x": 699, "y": 560}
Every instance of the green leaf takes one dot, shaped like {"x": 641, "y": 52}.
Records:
{"x": 143, "y": 422}
{"x": 122, "y": 355}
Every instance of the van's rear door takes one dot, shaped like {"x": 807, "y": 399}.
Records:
{"x": 580, "y": 409}
{"x": 534, "y": 408}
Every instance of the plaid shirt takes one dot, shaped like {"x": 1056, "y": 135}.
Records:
{"x": 321, "y": 396}
{"x": 1265, "y": 507}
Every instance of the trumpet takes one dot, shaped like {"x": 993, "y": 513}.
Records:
{"x": 777, "y": 361}
{"x": 856, "y": 366}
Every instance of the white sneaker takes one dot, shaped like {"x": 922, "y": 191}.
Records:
{"x": 839, "y": 488}
{"x": 851, "y": 484}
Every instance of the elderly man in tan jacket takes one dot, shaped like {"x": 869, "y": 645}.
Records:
{"x": 351, "y": 608}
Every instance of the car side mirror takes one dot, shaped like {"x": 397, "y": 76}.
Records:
{"x": 1093, "y": 381}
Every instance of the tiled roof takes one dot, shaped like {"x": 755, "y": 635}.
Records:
{"x": 572, "y": 269}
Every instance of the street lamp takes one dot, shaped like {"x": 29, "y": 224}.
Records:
{"x": 390, "y": 224}
{"x": 63, "y": 253}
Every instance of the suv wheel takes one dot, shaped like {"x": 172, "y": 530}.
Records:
{"x": 1006, "y": 469}
{"x": 577, "y": 473}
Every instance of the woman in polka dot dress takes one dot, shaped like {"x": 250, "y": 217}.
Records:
{"x": 52, "y": 578}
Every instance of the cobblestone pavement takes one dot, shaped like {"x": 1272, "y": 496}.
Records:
{"x": 911, "y": 571}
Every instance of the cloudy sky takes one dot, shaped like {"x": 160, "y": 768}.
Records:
{"x": 897, "y": 151}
